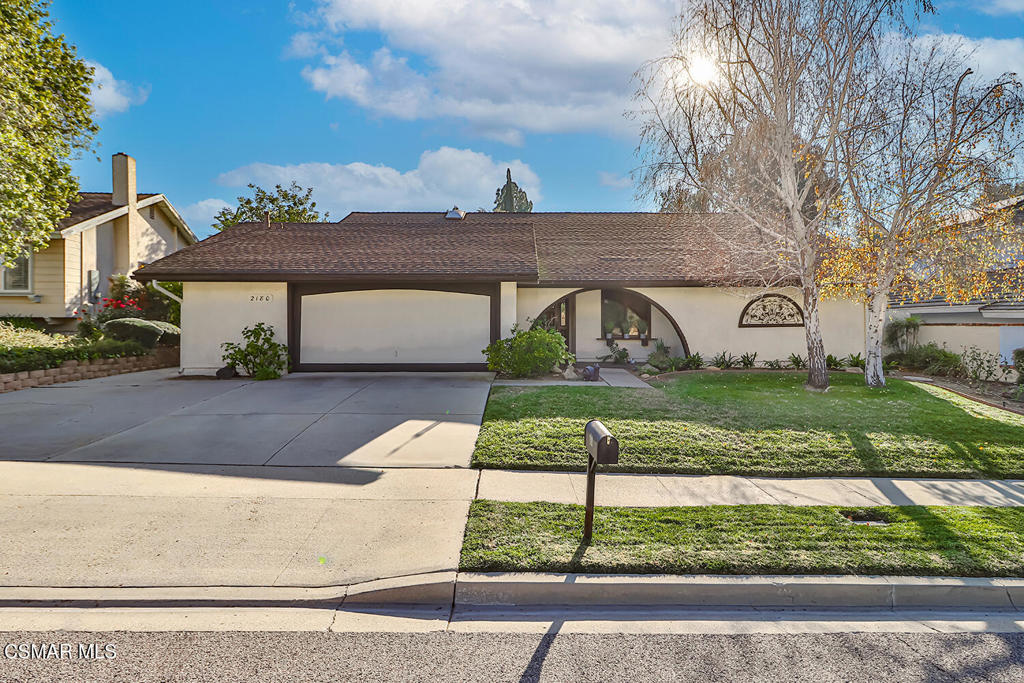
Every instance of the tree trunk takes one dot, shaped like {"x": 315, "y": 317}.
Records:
{"x": 817, "y": 370}
{"x": 873, "y": 371}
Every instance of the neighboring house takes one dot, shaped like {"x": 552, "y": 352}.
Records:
{"x": 994, "y": 324}
{"x": 428, "y": 291}
{"x": 105, "y": 233}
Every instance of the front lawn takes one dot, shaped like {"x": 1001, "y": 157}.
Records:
{"x": 756, "y": 424}
{"x": 745, "y": 539}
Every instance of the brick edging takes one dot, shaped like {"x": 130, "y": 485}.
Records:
{"x": 74, "y": 370}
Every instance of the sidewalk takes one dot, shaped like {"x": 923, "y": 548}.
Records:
{"x": 655, "y": 490}
{"x": 94, "y": 525}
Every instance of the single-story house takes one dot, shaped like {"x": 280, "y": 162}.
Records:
{"x": 428, "y": 291}
{"x": 104, "y": 234}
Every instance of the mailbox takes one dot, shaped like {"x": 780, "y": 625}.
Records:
{"x": 602, "y": 446}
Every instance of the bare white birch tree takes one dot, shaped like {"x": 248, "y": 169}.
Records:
{"x": 746, "y": 112}
{"x": 917, "y": 152}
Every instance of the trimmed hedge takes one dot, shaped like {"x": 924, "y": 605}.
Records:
{"x": 18, "y": 359}
{"x": 1018, "y": 363}
{"x": 145, "y": 332}
{"x": 171, "y": 333}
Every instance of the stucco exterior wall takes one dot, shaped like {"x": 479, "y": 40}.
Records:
{"x": 157, "y": 236}
{"x": 394, "y": 326}
{"x": 956, "y": 337}
{"x": 709, "y": 318}
{"x": 216, "y": 312}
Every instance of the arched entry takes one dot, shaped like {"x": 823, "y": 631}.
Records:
{"x": 561, "y": 315}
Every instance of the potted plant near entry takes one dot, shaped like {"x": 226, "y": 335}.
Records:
{"x": 608, "y": 327}
{"x": 641, "y": 327}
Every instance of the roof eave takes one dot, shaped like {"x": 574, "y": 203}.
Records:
{"x": 143, "y": 275}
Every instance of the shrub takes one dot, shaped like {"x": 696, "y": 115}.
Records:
{"x": 797, "y": 361}
{"x": 748, "y": 360}
{"x": 145, "y": 332}
{"x": 115, "y": 309}
{"x": 21, "y": 337}
{"x": 17, "y": 359}
{"x": 171, "y": 333}
{"x": 724, "y": 360}
{"x": 528, "y": 353}
{"x": 691, "y": 362}
{"x": 834, "y": 363}
{"x": 856, "y": 360}
{"x": 979, "y": 365}
{"x": 22, "y": 322}
{"x": 901, "y": 333}
{"x": 259, "y": 355}
{"x": 1018, "y": 363}
{"x": 774, "y": 364}
{"x": 929, "y": 358}
{"x": 616, "y": 354}
{"x": 659, "y": 358}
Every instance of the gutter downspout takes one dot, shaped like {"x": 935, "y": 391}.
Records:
{"x": 158, "y": 287}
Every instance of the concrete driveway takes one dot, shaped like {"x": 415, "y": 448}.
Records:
{"x": 149, "y": 479}
{"x": 364, "y": 420}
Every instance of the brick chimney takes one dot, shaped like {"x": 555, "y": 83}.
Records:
{"x": 123, "y": 167}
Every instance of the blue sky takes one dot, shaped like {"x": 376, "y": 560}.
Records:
{"x": 394, "y": 104}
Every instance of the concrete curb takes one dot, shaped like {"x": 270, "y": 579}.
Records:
{"x": 437, "y": 588}
{"x": 885, "y": 592}
{"x": 470, "y": 589}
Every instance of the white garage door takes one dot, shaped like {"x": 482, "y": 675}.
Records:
{"x": 394, "y": 326}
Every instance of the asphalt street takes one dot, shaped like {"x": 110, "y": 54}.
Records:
{"x": 446, "y": 656}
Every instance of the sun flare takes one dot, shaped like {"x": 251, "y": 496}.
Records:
{"x": 701, "y": 70}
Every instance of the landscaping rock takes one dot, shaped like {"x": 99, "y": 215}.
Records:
{"x": 857, "y": 371}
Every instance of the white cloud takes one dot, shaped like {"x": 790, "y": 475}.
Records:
{"x": 303, "y": 45}
{"x": 611, "y": 180}
{"x": 199, "y": 216}
{"x": 995, "y": 56}
{"x": 110, "y": 95}
{"x": 502, "y": 67}
{"x": 443, "y": 178}
{"x": 1004, "y": 6}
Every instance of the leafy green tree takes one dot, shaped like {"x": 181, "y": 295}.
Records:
{"x": 510, "y": 198}
{"x": 292, "y": 204}
{"x": 45, "y": 119}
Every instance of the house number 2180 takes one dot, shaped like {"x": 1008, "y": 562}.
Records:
{"x": 261, "y": 298}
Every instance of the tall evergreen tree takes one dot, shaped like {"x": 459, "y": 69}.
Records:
{"x": 510, "y": 198}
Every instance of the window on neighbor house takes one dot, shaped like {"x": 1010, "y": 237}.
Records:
{"x": 15, "y": 278}
{"x": 624, "y": 313}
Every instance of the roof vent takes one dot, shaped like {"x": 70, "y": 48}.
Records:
{"x": 456, "y": 214}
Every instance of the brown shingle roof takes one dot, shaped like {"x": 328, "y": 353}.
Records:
{"x": 482, "y": 250}
{"x": 92, "y": 204}
{"x": 548, "y": 248}
{"x": 684, "y": 248}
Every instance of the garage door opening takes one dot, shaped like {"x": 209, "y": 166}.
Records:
{"x": 392, "y": 328}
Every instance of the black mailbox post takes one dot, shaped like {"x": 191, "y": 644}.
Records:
{"x": 602, "y": 449}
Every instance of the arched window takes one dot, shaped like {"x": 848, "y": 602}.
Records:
{"x": 772, "y": 310}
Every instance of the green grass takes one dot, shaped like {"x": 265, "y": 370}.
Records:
{"x": 756, "y": 424}
{"x": 745, "y": 539}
